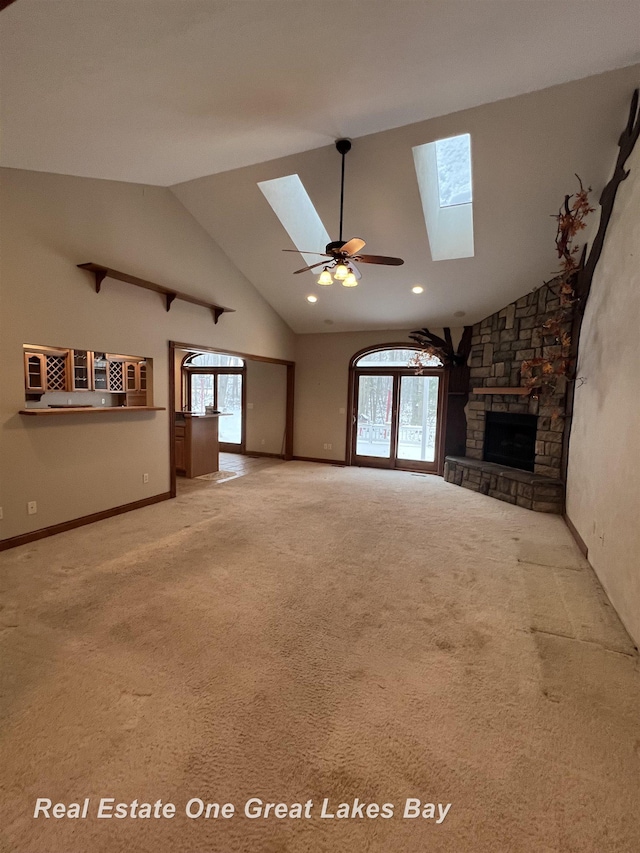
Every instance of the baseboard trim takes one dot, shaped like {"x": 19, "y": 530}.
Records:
{"x": 321, "y": 461}
{"x": 34, "y": 535}
{"x": 582, "y": 545}
{"x": 251, "y": 453}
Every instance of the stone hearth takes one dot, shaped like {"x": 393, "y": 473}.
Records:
{"x": 523, "y": 488}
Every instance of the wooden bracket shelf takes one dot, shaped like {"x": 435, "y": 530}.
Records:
{"x": 100, "y": 273}
{"x": 495, "y": 390}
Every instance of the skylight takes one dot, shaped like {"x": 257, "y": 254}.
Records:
{"x": 443, "y": 169}
{"x": 453, "y": 160}
{"x": 293, "y": 207}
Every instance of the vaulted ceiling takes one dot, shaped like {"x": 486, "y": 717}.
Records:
{"x": 212, "y": 97}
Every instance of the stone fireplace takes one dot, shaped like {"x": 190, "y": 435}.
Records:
{"x": 514, "y": 442}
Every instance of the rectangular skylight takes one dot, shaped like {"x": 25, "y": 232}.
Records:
{"x": 293, "y": 207}
{"x": 443, "y": 169}
{"x": 453, "y": 160}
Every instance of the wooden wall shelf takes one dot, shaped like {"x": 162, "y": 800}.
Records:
{"x": 89, "y": 410}
{"x": 169, "y": 293}
{"x": 521, "y": 391}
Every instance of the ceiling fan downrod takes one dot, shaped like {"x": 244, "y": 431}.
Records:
{"x": 343, "y": 146}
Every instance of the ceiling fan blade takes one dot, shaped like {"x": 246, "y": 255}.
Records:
{"x": 299, "y": 252}
{"x": 313, "y": 266}
{"x": 353, "y": 246}
{"x": 378, "y": 259}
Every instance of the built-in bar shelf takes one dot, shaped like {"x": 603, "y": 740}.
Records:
{"x": 169, "y": 293}
{"x": 89, "y": 410}
{"x": 520, "y": 391}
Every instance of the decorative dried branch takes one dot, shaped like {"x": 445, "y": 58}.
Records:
{"x": 442, "y": 348}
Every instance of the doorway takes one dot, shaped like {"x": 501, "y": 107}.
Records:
{"x": 217, "y": 381}
{"x": 257, "y": 393}
{"x": 396, "y": 411}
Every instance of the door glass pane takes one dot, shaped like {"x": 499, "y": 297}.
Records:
{"x": 230, "y": 402}
{"x": 418, "y": 418}
{"x": 375, "y": 405}
{"x": 201, "y": 391}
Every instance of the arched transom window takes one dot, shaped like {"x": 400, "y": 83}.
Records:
{"x": 395, "y": 357}
{"x": 213, "y": 359}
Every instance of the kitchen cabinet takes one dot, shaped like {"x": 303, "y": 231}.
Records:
{"x": 197, "y": 450}
{"x": 35, "y": 371}
{"x": 100, "y": 378}
{"x": 56, "y": 369}
{"x": 82, "y": 373}
{"x": 135, "y": 375}
{"x": 46, "y": 371}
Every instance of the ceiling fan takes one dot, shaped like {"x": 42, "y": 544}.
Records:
{"x": 343, "y": 253}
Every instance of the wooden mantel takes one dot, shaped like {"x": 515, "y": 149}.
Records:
{"x": 169, "y": 293}
{"x": 495, "y": 390}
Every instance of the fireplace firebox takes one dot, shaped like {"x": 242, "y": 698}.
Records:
{"x": 510, "y": 439}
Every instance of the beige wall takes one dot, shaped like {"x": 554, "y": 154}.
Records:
{"x": 266, "y": 407}
{"x": 80, "y": 464}
{"x": 322, "y": 379}
{"x": 603, "y": 488}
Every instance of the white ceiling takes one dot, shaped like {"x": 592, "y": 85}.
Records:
{"x": 221, "y": 95}
{"x": 159, "y": 91}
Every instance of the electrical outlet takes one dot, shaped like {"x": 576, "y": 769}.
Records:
{"x": 341, "y": 411}
{"x": 249, "y": 405}
{"x": 329, "y": 446}
{"x": 145, "y": 478}
{"x": 263, "y": 441}
{"x": 1, "y": 515}
{"x": 103, "y": 401}
{"x": 32, "y": 508}
{"x": 69, "y": 400}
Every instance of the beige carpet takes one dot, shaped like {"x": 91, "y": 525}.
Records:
{"x": 308, "y": 632}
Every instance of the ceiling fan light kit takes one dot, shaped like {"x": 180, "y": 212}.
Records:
{"x": 341, "y": 272}
{"x": 340, "y": 252}
{"x": 325, "y": 277}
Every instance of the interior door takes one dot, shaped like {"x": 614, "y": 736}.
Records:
{"x": 396, "y": 420}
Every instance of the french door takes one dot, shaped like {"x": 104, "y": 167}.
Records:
{"x": 396, "y": 419}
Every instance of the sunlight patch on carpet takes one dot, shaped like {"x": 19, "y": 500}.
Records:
{"x": 218, "y": 475}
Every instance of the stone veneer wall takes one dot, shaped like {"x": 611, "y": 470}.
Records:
{"x": 499, "y": 345}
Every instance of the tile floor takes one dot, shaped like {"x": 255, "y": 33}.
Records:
{"x": 236, "y": 463}
{"x": 243, "y": 464}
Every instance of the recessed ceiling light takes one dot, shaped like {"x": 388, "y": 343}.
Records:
{"x": 312, "y": 298}
{"x": 459, "y": 313}
{"x": 417, "y": 289}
